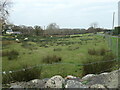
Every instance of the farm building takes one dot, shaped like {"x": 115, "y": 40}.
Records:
{"x": 16, "y": 33}
{"x": 9, "y": 31}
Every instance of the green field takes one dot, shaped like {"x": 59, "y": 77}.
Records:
{"x": 73, "y": 50}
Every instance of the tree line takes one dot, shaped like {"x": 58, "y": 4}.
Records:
{"x": 52, "y": 29}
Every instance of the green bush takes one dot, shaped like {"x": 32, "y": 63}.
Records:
{"x": 98, "y": 67}
{"x": 51, "y": 59}
{"x": 23, "y": 75}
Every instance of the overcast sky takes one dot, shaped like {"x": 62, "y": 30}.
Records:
{"x": 66, "y": 13}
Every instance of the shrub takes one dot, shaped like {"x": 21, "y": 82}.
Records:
{"x": 51, "y": 59}
{"x": 98, "y": 67}
{"x": 23, "y": 75}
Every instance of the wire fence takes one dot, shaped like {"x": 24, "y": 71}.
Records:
{"x": 113, "y": 43}
{"x": 23, "y": 69}
{"x": 115, "y": 68}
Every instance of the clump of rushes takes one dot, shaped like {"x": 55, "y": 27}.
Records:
{"x": 51, "y": 59}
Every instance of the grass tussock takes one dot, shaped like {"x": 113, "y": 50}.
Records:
{"x": 57, "y": 49}
{"x": 13, "y": 54}
{"x": 93, "y": 51}
{"x": 51, "y": 59}
{"x": 23, "y": 75}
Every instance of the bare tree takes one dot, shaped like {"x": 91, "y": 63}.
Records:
{"x": 4, "y": 11}
{"x": 38, "y": 30}
{"x": 94, "y": 25}
{"x": 52, "y": 26}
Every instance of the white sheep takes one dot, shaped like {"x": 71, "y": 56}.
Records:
{"x": 17, "y": 39}
{"x": 26, "y": 39}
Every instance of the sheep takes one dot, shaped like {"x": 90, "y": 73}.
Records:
{"x": 25, "y": 38}
{"x": 17, "y": 40}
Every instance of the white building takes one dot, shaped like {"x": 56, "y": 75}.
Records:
{"x": 9, "y": 31}
{"x": 119, "y": 13}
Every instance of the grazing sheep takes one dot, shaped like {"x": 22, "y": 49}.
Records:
{"x": 25, "y": 38}
{"x": 17, "y": 40}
